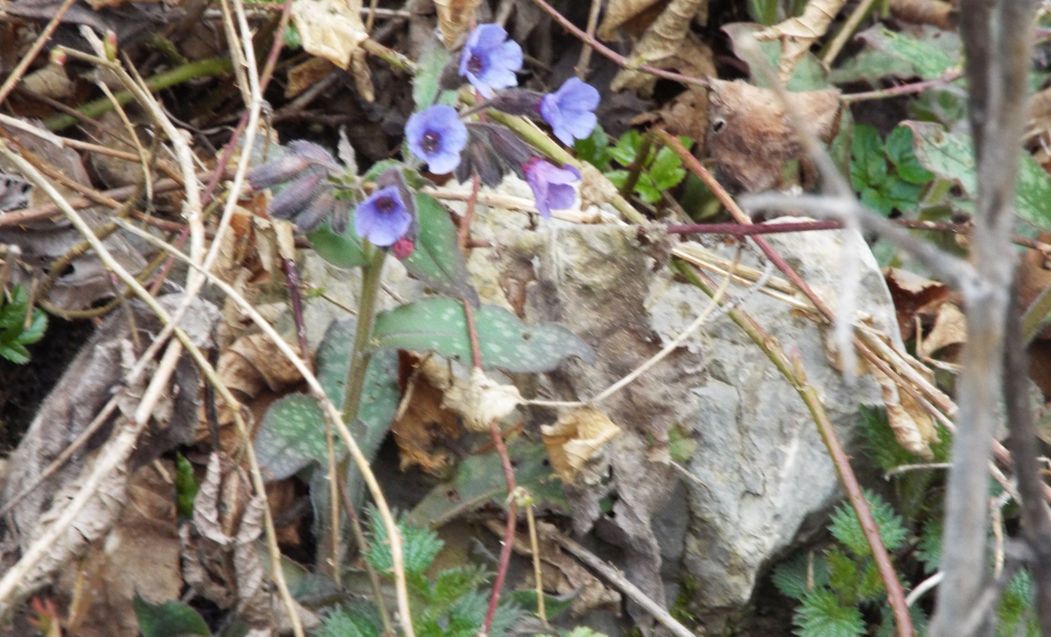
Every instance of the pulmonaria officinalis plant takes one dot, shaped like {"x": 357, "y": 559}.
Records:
{"x": 569, "y": 111}
{"x": 436, "y": 135}
{"x": 383, "y": 218}
{"x": 489, "y": 60}
{"x": 552, "y": 186}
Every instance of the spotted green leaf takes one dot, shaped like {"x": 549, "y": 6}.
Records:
{"x": 951, "y": 156}
{"x": 438, "y": 325}
{"x": 292, "y": 433}
{"x": 437, "y": 260}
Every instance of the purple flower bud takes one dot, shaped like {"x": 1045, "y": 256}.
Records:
{"x": 489, "y": 60}
{"x": 297, "y": 196}
{"x": 570, "y": 110}
{"x": 436, "y": 135}
{"x": 552, "y": 186}
{"x": 383, "y": 217}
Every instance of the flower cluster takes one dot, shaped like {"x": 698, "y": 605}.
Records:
{"x": 446, "y": 141}
{"x": 440, "y": 138}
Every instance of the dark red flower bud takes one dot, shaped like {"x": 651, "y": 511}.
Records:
{"x": 403, "y": 248}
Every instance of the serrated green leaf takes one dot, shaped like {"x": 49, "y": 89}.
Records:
{"x": 358, "y": 622}
{"x": 420, "y": 546}
{"x": 170, "y": 619}
{"x": 341, "y": 250}
{"x": 900, "y": 151}
{"x": 438, "y": 325}
{"x": 479, "y": 480}
{"x": 426, "y": 82}
{"x": 821, "y": 615}
{"x": 792, "y": 578}
{"x": 951, "y": 156}
{"x": 627, "y": 148}
{"x": 292, "y": 432}
{"x": 846, "y": 528}
{"x": 1016, "y": 614}
{"x": 437, "y": 260}
{"x": 842, "y": 576}
{"x": 666, "y": 169}
{"x": 594, "y": 148}
{"x": 929, "y": 549}
{"x": 647, "y": 190}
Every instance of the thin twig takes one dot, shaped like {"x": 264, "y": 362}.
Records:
{"x": 581, "y": 69}
{"x": 30, "y": 55}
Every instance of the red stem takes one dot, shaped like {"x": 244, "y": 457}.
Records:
{"x": 509, "y": 529}
{"x": 619, "y": 59}
{"x": 288, "y": 266}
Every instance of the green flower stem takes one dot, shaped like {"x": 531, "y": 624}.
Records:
{"x": 210, "y": 67}
{"x": 359, "y": 357}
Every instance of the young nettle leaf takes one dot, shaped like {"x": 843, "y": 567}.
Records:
{"x": 800, "y": 575}
{"x": 846, "y": 528}
{"x": 439, "y": 325}
{"x": 437, "y": 260}
{"x": 420, "y": 546}
{"x": 170, "y": 619}
{"x": 822, "y": 615}
{"x": 357, "y": 622}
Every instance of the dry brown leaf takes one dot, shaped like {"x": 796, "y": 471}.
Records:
{"x": 950, "y": 328}
{"x": 686, "y": 113}
{"x": 1034, "y": 276}
{"x": 912, "y": 425}
{"x": 480, "y": 400}
{"x": 750, "y": 136}
{"x": 253, "y": 364}
{"x": 661, "y": 41}
{"x": 576, "y": 439}
{"x": 799, "y": 33}
{"x": 332, "y": 29}
{"x": 424, "y": 423}
{"x": 934, "y": 12}
{"x": 140, "y": 556}
{"x": 913, "y": 296}
{"x": 454, "y": 16}
{"x": 306, "y": 74}
{"x": 619, "y": 12}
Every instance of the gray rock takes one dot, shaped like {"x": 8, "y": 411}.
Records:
{"x": 759, "y": 470}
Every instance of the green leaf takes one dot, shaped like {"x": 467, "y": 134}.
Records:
{"x": 929, "y": 549}
{"x": 35, "y": 331}
{"x": 341, "y": 250}
{"x": 426, "y": 83}
{"x": 185, "y": 486}
{"x": 437, "y": 260}
{"x": 821, "y": 615}
{"x": 594, "y": 148}
{"x": 617, "y": 177}
{"x": 901, "y": 154}
{"x": 420, "y": 546}
{"x": 292, "y": 432}
{"x": 846, "y": 528}
{"x": 1016, "y": 613}
{"x": 15, "y": 352}
{"x": 647, "y": 190}
{"x": 554, "y": 605}
{"x": 666, "y": 169}
{"x": 871, "y": 66}
{"x": 951, "y": 156}
{"x": 346, "y": 623}
{"x": 792, "y": 578}
{"x": 868, "y": 166}
{"x": 438, "y": 325}
{"x": 479, "y": 480}
{"x": 170, "y": 619}
{"x": 930, "y": 54}
{"x": 627, "y": 148}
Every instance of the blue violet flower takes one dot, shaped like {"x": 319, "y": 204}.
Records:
{"x": 489, "y": 60}
{"x": 436, "y": 135}
{"x": 552, "y": 186}
{"x": 570, "y": 110}
{"x": 383, "y": 218}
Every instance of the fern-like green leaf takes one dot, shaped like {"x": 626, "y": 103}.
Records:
{"x": 843, "y": 576}
{"x": 350, "y": 623}
{"x": 821, "y": 615}
{"x": 929, "y": 550}
{"x": 798, "y": 576}
{"x": 1016, "y": 615}
{"x": 846, "y": 528}
{"x": 419, "y": 546}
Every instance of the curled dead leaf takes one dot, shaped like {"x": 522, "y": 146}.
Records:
{"x": 422, "y": 425}
{"x": 744, "y": 118}
{"x": 950, "y": 328}
{"x": 454, "y": 16}
{"x": 661, "y": 41}
{"x": 480, "y": 400}
{"x": 332, "y": 29}
{"x": 912, "y": 425}
{"x": 576, "y": 440}
{"x": 913, "y": 296}
{"x": 799, "y": 33}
